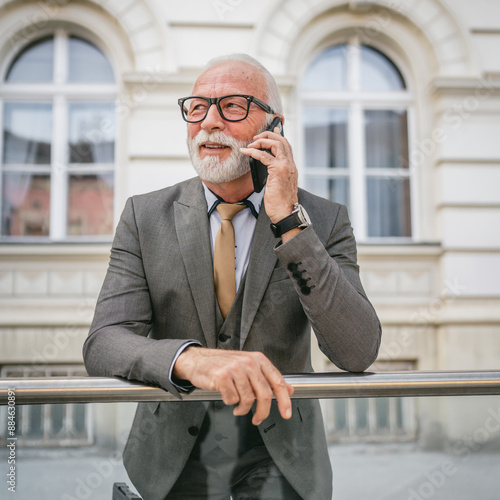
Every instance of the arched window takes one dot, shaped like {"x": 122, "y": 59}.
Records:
{"x": 355, "y": 115}
{"x": 58, "y": 142}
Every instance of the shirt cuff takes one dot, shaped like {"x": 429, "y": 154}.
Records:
{"x": 181, "y": 385}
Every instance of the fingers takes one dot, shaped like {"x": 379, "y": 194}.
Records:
{"x": 278, "y": 145}
{"x": 262, "y": 156}
{"x": 282, "y": 391}
{"x": 272, "y": 141}
{"x": 242, "y": 378}
{"x": 263, "y": 382}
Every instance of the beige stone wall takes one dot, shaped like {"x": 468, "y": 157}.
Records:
{"x": 438, "y": 297}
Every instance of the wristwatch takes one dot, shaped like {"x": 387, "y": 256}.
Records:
{"x": 298, "y": 218}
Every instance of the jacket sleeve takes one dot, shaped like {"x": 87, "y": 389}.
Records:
{"x": 326, "y": 278}
{"x": 118, "y": 342}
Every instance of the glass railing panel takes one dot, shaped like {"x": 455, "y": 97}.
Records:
{"x": 69, "y": 451}
{"x": 387, "y": 448}
{"x": 453, "y": 454}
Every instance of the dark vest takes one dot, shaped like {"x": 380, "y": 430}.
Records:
{"x": 220, "y": 427}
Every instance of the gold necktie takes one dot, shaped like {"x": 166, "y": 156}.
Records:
{"x": 224, "y": 259}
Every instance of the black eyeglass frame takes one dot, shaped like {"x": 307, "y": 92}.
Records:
{"x": 217, "y": 100}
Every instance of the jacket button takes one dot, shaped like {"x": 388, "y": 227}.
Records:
{"x": 219, "y": 405}
{"x": 302, "y": 282}
{"x": 305, "y": 290}
{"x": 223, "y": 337}
{"x": 292, "y": 267}
{"x": 193, "y": 430}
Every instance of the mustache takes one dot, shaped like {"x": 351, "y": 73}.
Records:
{"x": 219, "y": 137}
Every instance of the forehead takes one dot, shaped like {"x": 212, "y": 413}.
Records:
{"x": 231, "y": 78}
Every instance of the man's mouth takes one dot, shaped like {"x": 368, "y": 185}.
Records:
{"x": 213, "y": 145}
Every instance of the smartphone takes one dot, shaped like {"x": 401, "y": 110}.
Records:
{"x": 258, "y": 169}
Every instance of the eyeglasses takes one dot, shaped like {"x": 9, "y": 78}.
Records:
{"x": 233, "y": 108}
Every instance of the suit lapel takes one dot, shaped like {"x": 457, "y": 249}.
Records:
{"x": 193, "y": 234}
{"x": 261, "y": 265}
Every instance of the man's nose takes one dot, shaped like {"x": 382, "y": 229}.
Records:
{"x": 213, "y": 120}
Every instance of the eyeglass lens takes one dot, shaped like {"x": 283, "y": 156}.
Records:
{"x": 232, "y": 108}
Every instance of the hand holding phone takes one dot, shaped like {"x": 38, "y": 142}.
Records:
{"x": 257, "y": 168}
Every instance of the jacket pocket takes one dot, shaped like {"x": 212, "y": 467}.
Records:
{"x": 153, "y": 406}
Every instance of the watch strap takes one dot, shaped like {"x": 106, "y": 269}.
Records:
{"x": 288, "y": 223}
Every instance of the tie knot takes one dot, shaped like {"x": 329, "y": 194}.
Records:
{"x": 228, "y": 210}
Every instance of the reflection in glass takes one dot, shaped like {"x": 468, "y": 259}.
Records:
{"x": 326, "y": 137}
{"x": 35, "y": 423}
{"x": 58, "y": 415}
{"x": 378, "y": 73}
{"x": 87, "y": 64}
{"x": 27, "y": 133}
{"x": 332, "y": 188}
{"x": 382, "y": 413}
{"x": 388, "y": 206}
{"x": 361, "y": 415}
{"x": 79, "y": 419}
{"x": 453, "y": 455}
{"x": 386, "y": 138}
{"x": 34, "y": 64}
{"x": 90, "y": 204}
{"x": 340, "y": 416}
{"x": 328, "y": 71}
{"x": 91, "y": 132}
{"x": 26, "y": 204}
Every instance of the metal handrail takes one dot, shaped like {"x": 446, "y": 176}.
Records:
{"x": 306, "y": 386}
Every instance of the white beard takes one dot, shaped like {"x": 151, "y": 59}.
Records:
{"x": 211, "y": 168}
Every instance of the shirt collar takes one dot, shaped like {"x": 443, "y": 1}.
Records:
{"x": 253, "y": 202}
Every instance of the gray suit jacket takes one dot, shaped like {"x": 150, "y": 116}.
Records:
{"x": 159, "y": 292}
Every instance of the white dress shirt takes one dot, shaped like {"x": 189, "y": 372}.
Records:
{"x": 244, "y": 227}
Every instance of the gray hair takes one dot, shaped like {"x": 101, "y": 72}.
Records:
{"x": 273, "y": 94}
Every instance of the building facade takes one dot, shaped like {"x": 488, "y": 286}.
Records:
{"x": 392, "y": 107}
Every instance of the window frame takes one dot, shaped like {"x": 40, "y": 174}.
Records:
{"x": 355, "y": 101}
{"x": 60, "y": 94}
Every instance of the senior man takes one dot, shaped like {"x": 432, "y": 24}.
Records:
{"x": 169, "y": 316}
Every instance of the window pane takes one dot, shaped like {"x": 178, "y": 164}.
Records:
{"x": 388, "y": 206}
{"x": 27, "y": 133}
{"x": 34, "y": 64}
{"x": 326, "y": 137}
{"x": 26, "y": 205}
{"x": 328, "y": 71}
{"x": 87, "y": 63}
{"x": 378, "y": 73}
{"x": 331, "y": 188}
{"x": 91, "y": 132}
{"x": 386, "y": 139}
{"x": 90, "y": 210}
